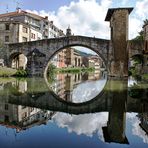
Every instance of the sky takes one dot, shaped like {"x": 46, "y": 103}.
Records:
{"x": 85, "y": 17}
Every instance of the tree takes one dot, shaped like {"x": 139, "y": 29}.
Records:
{"x": 140, "y": 36}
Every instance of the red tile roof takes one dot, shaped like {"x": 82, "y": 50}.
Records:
{"x": 21, "y": 12}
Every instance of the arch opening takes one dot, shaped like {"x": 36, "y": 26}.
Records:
{"x": 76, "y": 74}
{"x": 18, "y": 61}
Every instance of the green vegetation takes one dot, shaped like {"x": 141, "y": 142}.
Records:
{"x": 21, "y": 73}
{"x": 138, "y": 59}
{"x": 135, "y": 69}
{"x": 145, "y": 77}
{"x": 134, "y": 73}
{"x": 7, "y": 72}
{"x": 135, "y": 91}
{"x": 74, "y": 70}
{"x": 51, "y": 73}
{"x": 140, "y": 36}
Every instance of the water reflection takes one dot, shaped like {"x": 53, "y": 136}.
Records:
{"x": 113, "y": 116}
{"x": 77, "y": 87}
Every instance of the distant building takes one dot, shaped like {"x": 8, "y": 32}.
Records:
{"x": 68, "y": 57}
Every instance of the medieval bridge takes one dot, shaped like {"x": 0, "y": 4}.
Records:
{"x": 40, "y": 52}
{"x": 114, "y": 52}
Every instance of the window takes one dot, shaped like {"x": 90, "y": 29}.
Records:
{"x": 33, "y": 35}
{"x": 6, "y": 38}
{"x": 24, "y": 39}
{"x": 24, "y": 115}
{"x": 25, "y": 30}
{"x": 6, "y": 118}
{"x": 7, "y": 26}
{"x": 6, "y": 106}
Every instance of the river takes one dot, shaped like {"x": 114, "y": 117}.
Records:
{"x": 73, "y": 110}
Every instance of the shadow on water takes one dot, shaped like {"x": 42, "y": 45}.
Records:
{"x": 116, "y": 98}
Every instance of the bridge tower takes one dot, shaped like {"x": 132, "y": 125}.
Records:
{"x": 118, "y": 63}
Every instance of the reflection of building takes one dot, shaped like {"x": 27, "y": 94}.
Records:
{"x": 144, "y": 121}
{"x": 64, "y": 84}
{"x": 17, "y": 116}
{"x": 21, "y": 117}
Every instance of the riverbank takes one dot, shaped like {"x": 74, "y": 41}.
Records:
{"x": 7, "y": 72}
{"x": 74, "y": 70}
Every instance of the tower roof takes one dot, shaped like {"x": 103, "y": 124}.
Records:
{"x": 111, "y": 11}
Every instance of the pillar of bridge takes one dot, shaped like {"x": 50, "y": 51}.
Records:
{"x": 118, "y": 18}
{"x": 116, "y": 125}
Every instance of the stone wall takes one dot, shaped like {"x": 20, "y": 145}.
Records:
{"x": 119, "y": 33}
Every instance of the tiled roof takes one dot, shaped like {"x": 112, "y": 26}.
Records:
{"x": 21, "y": 12}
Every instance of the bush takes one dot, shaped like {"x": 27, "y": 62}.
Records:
{"x": 21, "y": 73}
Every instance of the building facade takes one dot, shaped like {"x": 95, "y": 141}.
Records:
{"x": 145, "y": 66}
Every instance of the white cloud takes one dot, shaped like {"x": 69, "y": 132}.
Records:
{"x": 136, "y": 129}
{"x": 85, "y": 92}
{"x": 124, "y": 2}
{"x": 141, "y": 9}
{"x": 86, "y": 17}
{"x": 77, "y": 123}
{"x": 135, "y": 26}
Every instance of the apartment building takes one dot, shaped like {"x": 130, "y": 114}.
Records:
{"x": 23, "y": 26}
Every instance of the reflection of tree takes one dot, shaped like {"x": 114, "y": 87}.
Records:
{"x": 51, "y": 73}
{"x": 135, "y": 91}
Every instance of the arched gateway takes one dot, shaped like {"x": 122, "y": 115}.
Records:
{"x": 113, "y": 52}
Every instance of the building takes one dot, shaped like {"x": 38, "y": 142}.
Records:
{"x": 145, "y": 66}
{"x": 25, "y": 26}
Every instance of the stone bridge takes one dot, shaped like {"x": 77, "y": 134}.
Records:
{"x": 113, "y": 52}
{"x": 40, "y": 52}
{"x": 135, "y": 48}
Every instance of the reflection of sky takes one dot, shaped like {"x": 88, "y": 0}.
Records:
{"x": 87, "y": 124}
{"x": 131, "y": 82}
{"x": 87, "y": 90}
{"x": 91, "y": 124}
{"x": 136, "y": 129}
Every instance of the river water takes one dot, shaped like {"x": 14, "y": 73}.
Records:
{"x": 73, "y": 110}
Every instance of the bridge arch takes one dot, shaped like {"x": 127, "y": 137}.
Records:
{"x": 18, "y": 60}
{"x": 99, "y": 46}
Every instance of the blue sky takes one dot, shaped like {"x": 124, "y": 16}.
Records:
{"x": 86, "y": 17}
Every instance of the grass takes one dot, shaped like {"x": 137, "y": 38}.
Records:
{"x": 7, "y": 72}
{"x": 145, "y": 76}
